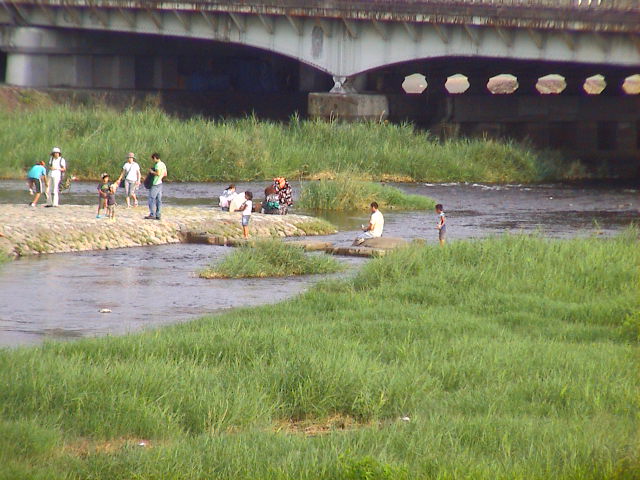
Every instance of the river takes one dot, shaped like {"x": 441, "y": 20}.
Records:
{"x": 60, "y": 296}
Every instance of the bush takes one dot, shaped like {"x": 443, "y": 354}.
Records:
{"x": 347, "y": 193}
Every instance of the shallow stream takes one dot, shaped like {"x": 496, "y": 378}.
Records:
{"x": 59, "y": 296}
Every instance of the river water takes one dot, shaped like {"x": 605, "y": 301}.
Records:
{"x": 59, "y": 296}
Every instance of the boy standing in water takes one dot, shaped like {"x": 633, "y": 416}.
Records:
{"x": 246, "y": 209}
{"x": 103, "y": 194}
{"x": 442, "y": 224}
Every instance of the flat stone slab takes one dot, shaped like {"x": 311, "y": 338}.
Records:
{"x": 385, "y": 243}
{"x": 29, "y": 231}
{"x": 358, "y": 251}
{"x": 312, "y": 245}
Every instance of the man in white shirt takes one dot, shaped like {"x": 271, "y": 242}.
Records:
{"x": 131, "y": 173}
{"x": 57, "y": 165}
{"x": 375, "y": 227}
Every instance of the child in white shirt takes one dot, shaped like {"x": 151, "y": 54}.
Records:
{"x": 442, "y": 224}
{"x": 246, "y": 209}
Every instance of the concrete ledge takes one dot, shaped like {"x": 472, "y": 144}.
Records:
{"x": 68, "y": 228}
{"x": 348, "y": 106}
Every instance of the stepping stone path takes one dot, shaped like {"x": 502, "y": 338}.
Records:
{"x": 70, "y": 228}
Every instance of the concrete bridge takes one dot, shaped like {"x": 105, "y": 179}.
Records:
{"x": 340, "y": 37}
{"x": 360, "y": 51}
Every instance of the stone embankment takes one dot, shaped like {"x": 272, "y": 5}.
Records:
{"x": 69, "y": 228}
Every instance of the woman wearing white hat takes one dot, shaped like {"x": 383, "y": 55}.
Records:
{"x": 57, "y": 165}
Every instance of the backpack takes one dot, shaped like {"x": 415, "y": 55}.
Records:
{"x": 148, "y": 181}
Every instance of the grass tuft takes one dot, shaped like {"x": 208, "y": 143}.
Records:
{"x": 347, "y": 193}
{"x": 270, "y": 258}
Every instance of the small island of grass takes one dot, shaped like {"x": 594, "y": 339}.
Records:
{"x": 270, "y": 258}
{"x": 347, "y": 193}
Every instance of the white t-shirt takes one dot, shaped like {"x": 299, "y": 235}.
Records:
{"x": 131, "y": 170}
{"x": 55, "y": 164}
{"x": 377, "y": 220}
{"x": 248, "y": 206}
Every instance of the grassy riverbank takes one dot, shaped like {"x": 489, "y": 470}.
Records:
{"x": 96, "y": 139}
{"x": 270, "y": 258}
{"x": 347, "y": 193}
{"x": 510, "y": 358}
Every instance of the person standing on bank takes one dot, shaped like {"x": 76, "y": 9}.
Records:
{"x": 57, "y": 165}
{"x": 158, "y": 172}
{"x": 131, "y": 174}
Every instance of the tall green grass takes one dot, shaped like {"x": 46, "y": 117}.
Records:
{"x": 270, "y": 258}
{"x": 348, "y": 193}
{"x": 96, "y": 139}
{"x": 509, "y": 357}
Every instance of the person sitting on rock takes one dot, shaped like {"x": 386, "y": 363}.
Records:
{"x": 375, "y": 227}
{"x": 227, "y": 195}
{"x": 285, "y": 194}
{"x": 271, "y": 204}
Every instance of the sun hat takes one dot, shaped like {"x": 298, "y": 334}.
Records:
{"x": 131, "y": 155}
{"x": 55, "y": 150}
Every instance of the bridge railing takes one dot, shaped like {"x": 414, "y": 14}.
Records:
{"x": 390, "y": 4}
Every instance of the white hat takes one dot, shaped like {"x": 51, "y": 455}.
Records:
{"x": 55, "y": 150}
{"x": 131, "y": 155}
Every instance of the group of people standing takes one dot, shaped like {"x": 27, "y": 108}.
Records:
{"x": 130, "y": 179}
{"x": 49, "y": 182}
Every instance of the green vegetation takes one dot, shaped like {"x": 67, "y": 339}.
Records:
{"x": 347, "y": 193}
{"x": 95, "y": 139}
{"x": 513, "y": 358}
{"x": 270, "y": 258}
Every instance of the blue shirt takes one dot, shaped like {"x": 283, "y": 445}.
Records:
{"x": 37, "y": 171}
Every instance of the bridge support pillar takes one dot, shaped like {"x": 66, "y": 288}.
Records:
{"x": 348, "y": 106}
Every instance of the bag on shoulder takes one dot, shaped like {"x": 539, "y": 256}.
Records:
{"x": 148, "y": 181}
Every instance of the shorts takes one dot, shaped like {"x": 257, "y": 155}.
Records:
{"x": 130, "y": 188}
{"x": 442, "y": 233}
{"x": 245, "y": 220}
{"x": 35, "y": 184}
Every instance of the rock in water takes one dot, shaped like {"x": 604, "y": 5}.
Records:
{"x": 385, "y": 243}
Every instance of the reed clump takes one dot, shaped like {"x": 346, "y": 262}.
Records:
{"x": 95, "y": 139}
{"x": 346, "y": 192}
{"x": 270, "y": 258}
{"x": 500, "y": 358}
